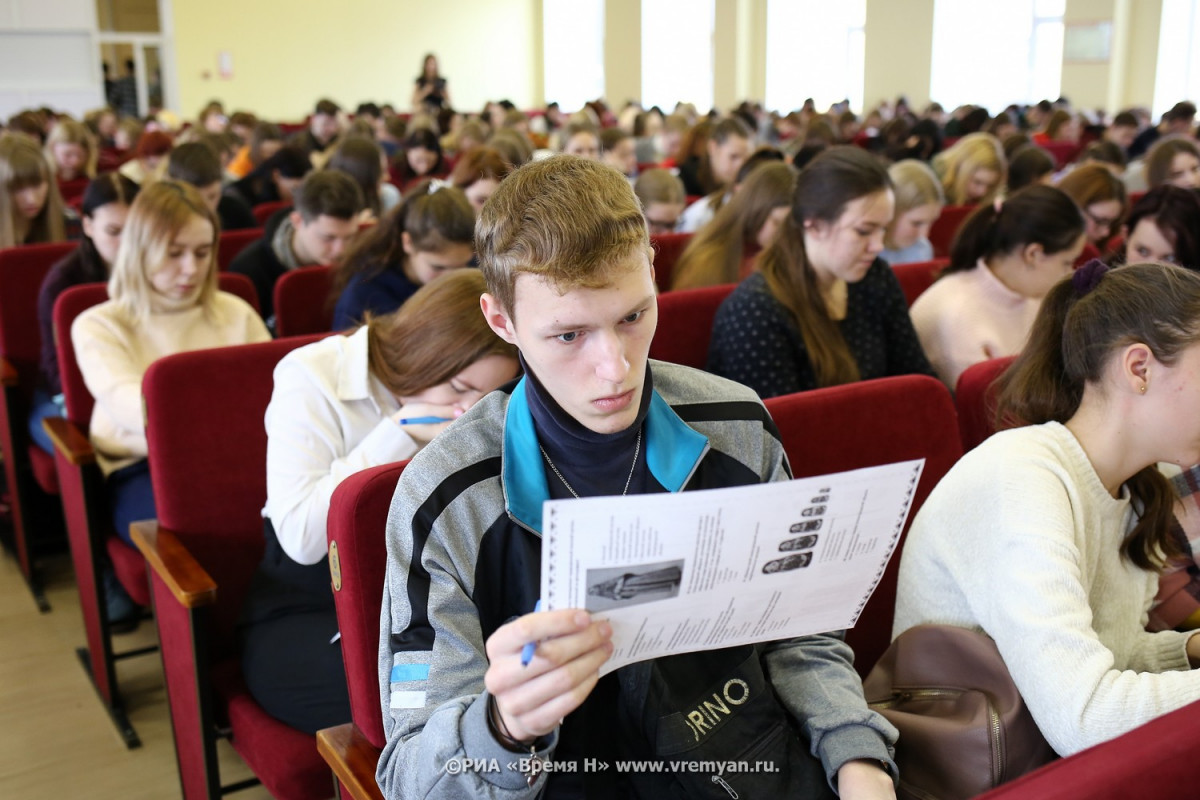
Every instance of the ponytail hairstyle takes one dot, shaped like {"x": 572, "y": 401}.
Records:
{"x": 1036, "y": 215}
{"x": 824, "y": 188}
{"x": 434, "y": 336}
{"x": 1082, "y": 323}
{"x": 434, "y": 216}
{"x": 715, "y": 253}
{"x": 22, "y": 165}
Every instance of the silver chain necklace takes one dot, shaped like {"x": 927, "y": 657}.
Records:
{"x": 636, "y": 450}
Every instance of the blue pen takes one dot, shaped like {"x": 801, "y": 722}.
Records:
{"x": 528, "y": 649}
{"x": 423, "y": 420}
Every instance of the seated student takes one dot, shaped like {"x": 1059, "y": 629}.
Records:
{"x": 275, "y": 179}
{"x": 564, "y": 249}
{"x": 71, "y": 151}
{"x": 363, "y": 160}
{"x": 973, "y": 170}
{"x": 515, "y": 148}
{"x": 823, "y": 308}
{"x": 617, "y": 151}
{"x": 701, "y": 212}
{"x": 105, "y": 208}
{"x": 724, "y": 250}
{"x": 1029, "y": 166}
{"x": 1061, "y": 126}
{"x": 919, "y": 202}
{"x": 318, "y": 230}
{"x": 323, "y": 128}
{"x": 1105, "y": 153}
{"x": 163, "y": 300}
{"x": 478, "y": 173}
{"x": 662, "y": 197}
{"x": 1177, "y": 120}
{"x": 31, "y": 209}
{"x": 149, "y": 160}
{"x": 265, "y": 141}
{"x": 1101, "y": 197}
{"x": 1004, "y": 260}
{"x": 1164, "y": 225}
{"x": 727, "y": 145}
{"x": 430, "y": 232}
{"x": 1049, "y": 538}
{"x": 1122, "y": 131}
{"x": 196, "y": 164}
{"x": 342, "y": 405}
{"x": 419, "y": 159}
{"x": 581, "y": 139}
{"x": 1173, "y": 160}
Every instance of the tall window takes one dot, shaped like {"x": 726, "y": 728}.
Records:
{"x": 816, "y": 49}
{"x": 677, "y": 53}
{"x": 573, "y": 48}
{"x": 1178, "y": 76}
{"x": 1029, "y": 34}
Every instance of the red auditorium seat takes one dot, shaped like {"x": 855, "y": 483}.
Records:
{"x": 975, "y": 396}
{"x": 667, "y": 249}
{"x": 302, "y": 301}
{"x": 941, "y": 233}
{"x": 207, "y": 453}
{"x": 233, "y": 242}
{"x": 29, "y": 472}
{"x": 685, "y": 321}
{"x": 918, "y": 276}
{"x": 264, "y": 211}
{"x": 866, "y": 424}
{"x": 357, "y": 520}
{"x": 85, "y": 505}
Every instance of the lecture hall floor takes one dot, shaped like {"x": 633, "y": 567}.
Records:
{"x": 55, "y": 739}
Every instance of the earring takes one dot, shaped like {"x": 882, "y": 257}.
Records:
{"x": 1143, "y": 389}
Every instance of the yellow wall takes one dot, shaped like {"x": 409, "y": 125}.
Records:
{"x": 1127, "y": 78}
{"x": 288, "y": 53}
{"x": 899, "y": 51}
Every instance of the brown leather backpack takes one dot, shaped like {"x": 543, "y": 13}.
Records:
{"x": 963, "y": 726}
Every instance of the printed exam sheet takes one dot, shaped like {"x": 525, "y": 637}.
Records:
{"x": 702, "y": 570}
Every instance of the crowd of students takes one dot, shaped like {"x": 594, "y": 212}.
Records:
{"x": 807, "y": 214}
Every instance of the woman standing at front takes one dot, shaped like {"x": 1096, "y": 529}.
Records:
{"x": 823, "y": 309}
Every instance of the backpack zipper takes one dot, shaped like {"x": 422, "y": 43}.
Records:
{"x": 717, "y": 779}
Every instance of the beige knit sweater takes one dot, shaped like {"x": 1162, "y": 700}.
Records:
{"x": 1022, "y": 541}
{"x": 114, "y": 354}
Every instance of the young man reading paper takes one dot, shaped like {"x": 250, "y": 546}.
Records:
{"x": 564, "y": 248}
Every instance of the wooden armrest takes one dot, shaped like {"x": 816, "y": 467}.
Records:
{"x": 174, "y": 565}
{"x": 69, "y": 441}
{"x": 8, "y": 373}
{"x": 352, "y": 759}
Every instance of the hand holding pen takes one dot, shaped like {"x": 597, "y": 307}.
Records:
{"x": 542, "y": 666}
{"x": 423, "y": 421}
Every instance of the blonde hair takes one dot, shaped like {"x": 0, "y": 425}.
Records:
{"x": 567, "y": 220}
{"x": 68, "y": 131}
{"x": 23, "y": 165}
{"x": 159, "y": 212}
{"x": 973, "y": 152}
{"x": 659, "y": 186}
{"x": 915, "y": 184}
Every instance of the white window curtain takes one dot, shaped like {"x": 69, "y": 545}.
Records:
{"x": 573, "y": 51}
{"x": 1178, "y": 75}
{"x": 677, "y": 53}
{"x": 815, "y": 48}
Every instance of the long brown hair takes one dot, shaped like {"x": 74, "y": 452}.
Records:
{"x": 824, "y": 188}
{"x": 1069, "y": 347}
{"x": 22, "y": 165}
{"x": 1035, "y": 215}
{"x": 715, "y": 253}
{"x": 435, "y": 335}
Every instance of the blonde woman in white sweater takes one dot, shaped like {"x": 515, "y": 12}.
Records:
{"x": 1050, "y": 537}
{"x": 163, "y": 299}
